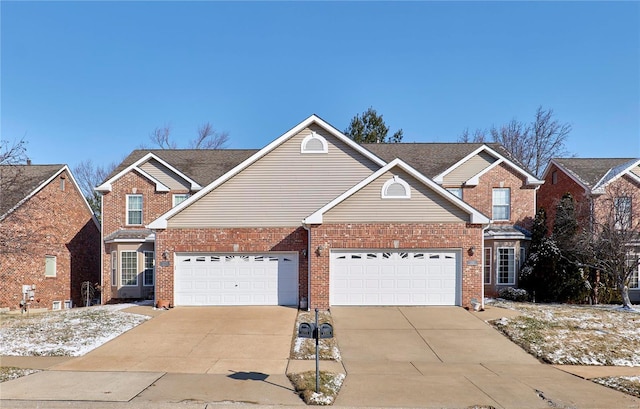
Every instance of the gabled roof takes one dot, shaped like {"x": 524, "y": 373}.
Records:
{"x": 435, "y": 160}
{"x": 18, "y": 183}
{"x": 161, "y": 222}
{"x": 593, "y": 174}
{"x": 475, "y": 216}
{"x": 198, "y": 167}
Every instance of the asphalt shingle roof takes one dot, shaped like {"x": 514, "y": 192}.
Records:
{"x": 18, "y": 181}
{"x": 590, "y": 171}
{"x": 202, "y": 165}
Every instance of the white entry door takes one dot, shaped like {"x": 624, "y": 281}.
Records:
{"x": 395, "y": 277}
{"x": 236, "y": 279}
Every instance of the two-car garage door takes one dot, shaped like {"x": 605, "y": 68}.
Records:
{"x": 395, "y": 277}
{"x": 236, "y": 279}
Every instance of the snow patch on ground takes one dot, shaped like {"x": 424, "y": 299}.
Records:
{"x": 72, "y": 332}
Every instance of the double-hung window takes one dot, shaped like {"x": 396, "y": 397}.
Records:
{"x": 622, "y": 207}
{"x": 501, "y": 204}
{"x": 134, "y": 209}
{"x": 50, "y": 266}
{"x": 129, "y": 268}
{"x": 148, "y": 268}
{"x": 506, "y": 265}
{"x": 114, "y": 268}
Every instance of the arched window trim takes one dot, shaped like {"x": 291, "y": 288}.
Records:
{"x": 392, "y": 181}
{"x": 312, "y": 136}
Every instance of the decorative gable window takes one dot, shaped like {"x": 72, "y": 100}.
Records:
{"x": 314, "y": 143}
{"x": 501, "y": 203}
{"x": 396, "y": 188}
{"x": 134, "y": 209}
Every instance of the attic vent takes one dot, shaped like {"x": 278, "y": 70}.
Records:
{"x": 314, "y": 143}
{"x": 396, "y": 188}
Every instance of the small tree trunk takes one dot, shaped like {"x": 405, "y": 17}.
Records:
{"x": 624, "y": 292}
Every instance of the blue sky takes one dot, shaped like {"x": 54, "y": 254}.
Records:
{"x": 91, "y": 80}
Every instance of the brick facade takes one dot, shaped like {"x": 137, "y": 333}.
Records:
{"x": 114, "y": 213}
{"x": 54, "y": 222}
{"x": 550, "y": 194}
{"x": 384, "y": 236}
{"x": 247, "y": 240}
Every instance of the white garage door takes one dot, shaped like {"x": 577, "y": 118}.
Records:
{"x": 236, "y": 279}
{"x": 398, "y": 277}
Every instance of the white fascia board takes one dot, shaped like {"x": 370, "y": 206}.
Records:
{"x": 476, "y": 179}
{"x": 599, "y": 188}
{"x": 531, "y": 179}
{"x": 161, "y": 222}
{"x": 107, "y": 185}
{"x": 160, "y": 187}
{"x": 567, "y": 172}
{"x": 440, "y": 178}
{"x": 476, "y": 217}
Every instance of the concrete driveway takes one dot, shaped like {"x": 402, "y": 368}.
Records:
{"x": 199, "y": 340}
{"x": 447, "y": 357}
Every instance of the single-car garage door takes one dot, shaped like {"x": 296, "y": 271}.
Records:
{"x": 236, "y": 279}
{"x": 395, "y": 277}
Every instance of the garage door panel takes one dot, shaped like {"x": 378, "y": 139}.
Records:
{"x": 398, "y": 277}
{"x": 236, "y": 279}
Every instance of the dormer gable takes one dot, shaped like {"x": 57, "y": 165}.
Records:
{"x": 157, "y": 171}
{"x": 468, "y": 170}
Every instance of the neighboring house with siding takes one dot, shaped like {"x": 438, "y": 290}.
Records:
{"x": 49, "y": 237}
{"x": 314, "y": 216}
{"x": 593, "y": 182}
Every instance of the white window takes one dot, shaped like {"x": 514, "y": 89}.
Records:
{"x": 506, "y": 265}
{"x": 632, "y": 262}
{"x": 457, "y": 191}
{"x": 487, "y": 265}
{"x": 67, "y": 304}
{"x": 622, "y": 207}
{"x": 50, "y": 266}
{"x": 314, "y": 143}
{"x": 179, "y": 198}
{"x": 56, "y": 305}
{"x": 134, "y": 209}
{"x": 129, "y": 268}
{"x": 633, "y": 280}
{"x": 396, "y": 188}
{"x": 149, "y": 269}
{"x": 114, "y": 268}
{"x": 501, "y": 204}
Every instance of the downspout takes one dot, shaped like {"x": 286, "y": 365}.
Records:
{"x": 484, "y": 229}
{"x": 306, "y": 227}
{"x": 102, "y": 250}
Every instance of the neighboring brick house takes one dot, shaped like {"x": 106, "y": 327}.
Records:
{"x": 593, "y": 182}
{"x": 49, "y": 237}
{"x": 314, "y": 218}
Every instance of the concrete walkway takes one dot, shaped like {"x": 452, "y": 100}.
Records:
{"x": 441, "y": 357}
{"x": 431, "y": 357}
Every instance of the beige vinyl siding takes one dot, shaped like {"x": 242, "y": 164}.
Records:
{"x": 367, "y": 205}
{"x": 281, "y": 188}
{"x": 468, "y": 169}
{"x": 165, "y": 175}
{"x": 636, "y": 171}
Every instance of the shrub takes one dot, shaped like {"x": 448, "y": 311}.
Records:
{"x": 513, "y": 294}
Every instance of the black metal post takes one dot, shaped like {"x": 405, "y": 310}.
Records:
{"x": 317, "y": 336}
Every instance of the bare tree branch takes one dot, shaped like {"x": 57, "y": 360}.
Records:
{"x": 160, "y": 137}
{"x": 209, "y": 138}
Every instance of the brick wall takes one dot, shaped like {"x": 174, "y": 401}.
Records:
{"x": 550, "y": 194}
{"x": 408, "y": 236}
{"x": 523, "y": 197}
{"x": 51, "y": 223}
